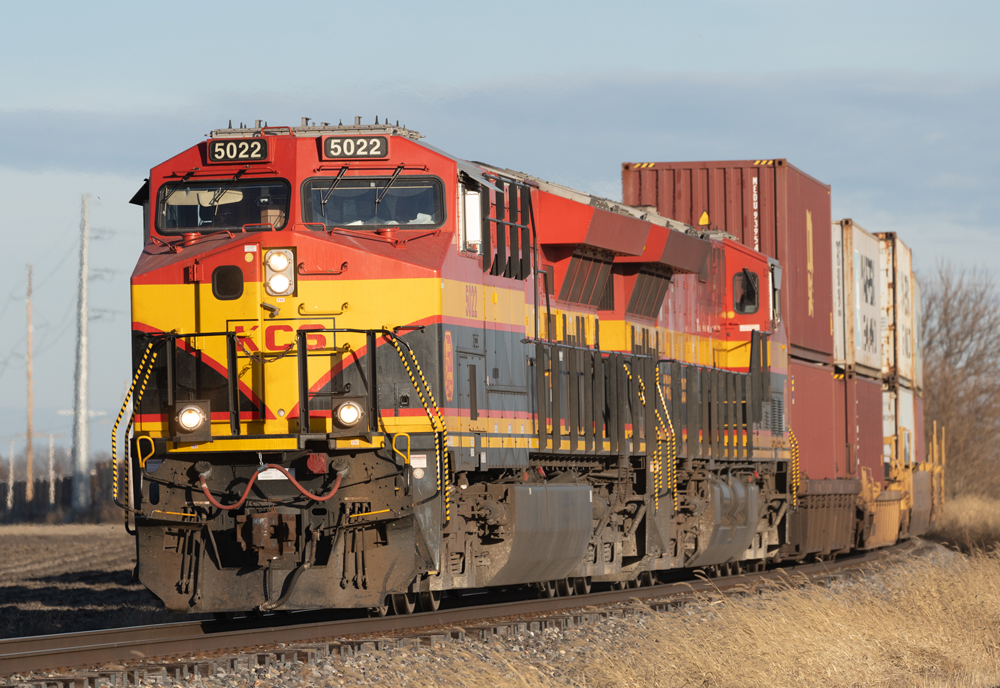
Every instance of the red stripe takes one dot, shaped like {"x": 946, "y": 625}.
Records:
{"x": 211, "y": 362}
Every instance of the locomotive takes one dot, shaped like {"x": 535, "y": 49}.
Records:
{"x": 368, "y": 373}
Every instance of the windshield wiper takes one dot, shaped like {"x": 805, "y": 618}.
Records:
{"x": 222, "y": 190}
{"x": 333, "y": 185}
{"x": 386, "y": 189}
{"x": 179, "y": 185}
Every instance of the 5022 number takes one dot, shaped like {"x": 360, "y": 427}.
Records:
{"x": 237, "y": 149}
{"x": 356, "y": 147}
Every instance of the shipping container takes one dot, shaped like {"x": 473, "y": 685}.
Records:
{"x": 899, "y": 425}
{"x": 857, "y": 344}
{"x": 906, "y": 425}
{"x": 816, "y": 416}
{"x": 868, "y": 412}
{"x": 888, "y": 427}
{"x": 918, "y": 330}
{"x": 920, "y": 447}
{"x": 897, "y": 309}
{"x": 768, "y": 205}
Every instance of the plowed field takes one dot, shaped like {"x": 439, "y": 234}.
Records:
{"x": 63, "y": 578}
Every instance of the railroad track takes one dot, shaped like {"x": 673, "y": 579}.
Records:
{"x": 144, "y": 644}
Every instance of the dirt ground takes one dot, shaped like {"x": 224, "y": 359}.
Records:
{"x": 63, "y": 578}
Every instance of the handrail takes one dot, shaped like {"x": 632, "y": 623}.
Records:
{"x": 304, "y": 271}
{"x": 301, "y": 351}
{"x": 304, "y": 309}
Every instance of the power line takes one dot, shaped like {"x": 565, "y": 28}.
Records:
{"x": 72, "y": 247}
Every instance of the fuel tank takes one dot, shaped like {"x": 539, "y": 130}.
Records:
{"x": 545, "y": 536}
{"x": 727, "y": 522}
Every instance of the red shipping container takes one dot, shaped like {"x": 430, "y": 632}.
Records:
{"x": 768, "y": 205}
{"x": 868, "y": 420}
{"x": 816, "y": 416}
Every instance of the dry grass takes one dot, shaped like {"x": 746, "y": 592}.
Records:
{"x": 969, "y": 523}
{"x": 928, "y": 622}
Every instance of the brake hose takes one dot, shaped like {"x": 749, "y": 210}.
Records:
{"x": 246, "y": 493}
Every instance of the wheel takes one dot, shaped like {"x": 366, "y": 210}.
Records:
{"x": 581, "y": 586}
{"x": 618, "y": 585}
{"x": 546, "y": 590}
{"x": 404, "y": 603}
{"x": 429, "y": 601}
{"x": 632, "y": 584}
{"x": 563, "y": 587}
{"x": 645, "y": 579}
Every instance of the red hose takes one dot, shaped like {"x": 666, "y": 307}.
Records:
{"x": 246, "y": 493}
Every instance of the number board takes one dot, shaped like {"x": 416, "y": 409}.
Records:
{"x": 237, "y": 150}
{"x": 337, "y": 147}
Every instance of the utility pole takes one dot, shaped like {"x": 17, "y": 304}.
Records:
{"x": 52, "y": 471}
{"x": 29, "y": 454}
{"x": 81, "y": 440}
{"x": 10, "y": 480}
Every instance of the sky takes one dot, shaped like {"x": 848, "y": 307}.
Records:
{"x": 894, "y": 104}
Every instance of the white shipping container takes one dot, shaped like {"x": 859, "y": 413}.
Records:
{"x": 856, "y": 299}
{"x": 840, "y": 278}
{"x": 905, "y": 426}
{"x": 864, "y": 290}
{"x": 904, "y": 310}
{"x": 897, "y": 308}
{"x": 888, "y": 424}
{"x": 918, "y": 354}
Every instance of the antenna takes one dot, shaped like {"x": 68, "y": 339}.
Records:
{"x": 81, "y": 439}
{"x": 29, "y": 453}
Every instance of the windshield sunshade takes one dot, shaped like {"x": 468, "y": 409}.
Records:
{"x": 222, "y": 205}
{"x": 374, "y": 202}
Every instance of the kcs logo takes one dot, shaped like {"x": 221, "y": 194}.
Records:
{"x": 280, "y": 337}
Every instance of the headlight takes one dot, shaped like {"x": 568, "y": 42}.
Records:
{"x": 190, "y": 418}
{"x": 348, "y": 413}
{"x": 277, "y": 261}
{"x": 279, "y": 283}
{"x": 279, "y": 271}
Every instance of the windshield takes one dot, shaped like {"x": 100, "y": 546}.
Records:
{"x": 407, "y": 202}
{"x": 221, "y": 205}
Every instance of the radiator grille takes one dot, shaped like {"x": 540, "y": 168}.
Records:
{"x": 777, "y": 414}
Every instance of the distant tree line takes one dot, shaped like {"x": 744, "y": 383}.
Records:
{"x": 961, "y": 345}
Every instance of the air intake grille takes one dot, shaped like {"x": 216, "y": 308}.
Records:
{"x": 777, "y": 414}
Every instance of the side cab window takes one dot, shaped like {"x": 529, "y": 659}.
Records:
{"x": 470, "y": 217}
{"x": 748, "y": 292}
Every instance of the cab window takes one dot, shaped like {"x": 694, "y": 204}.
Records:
{"x": 372, "y": 202}
{"x": 222, "y": 205}
{"x": 746, "y": 292}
